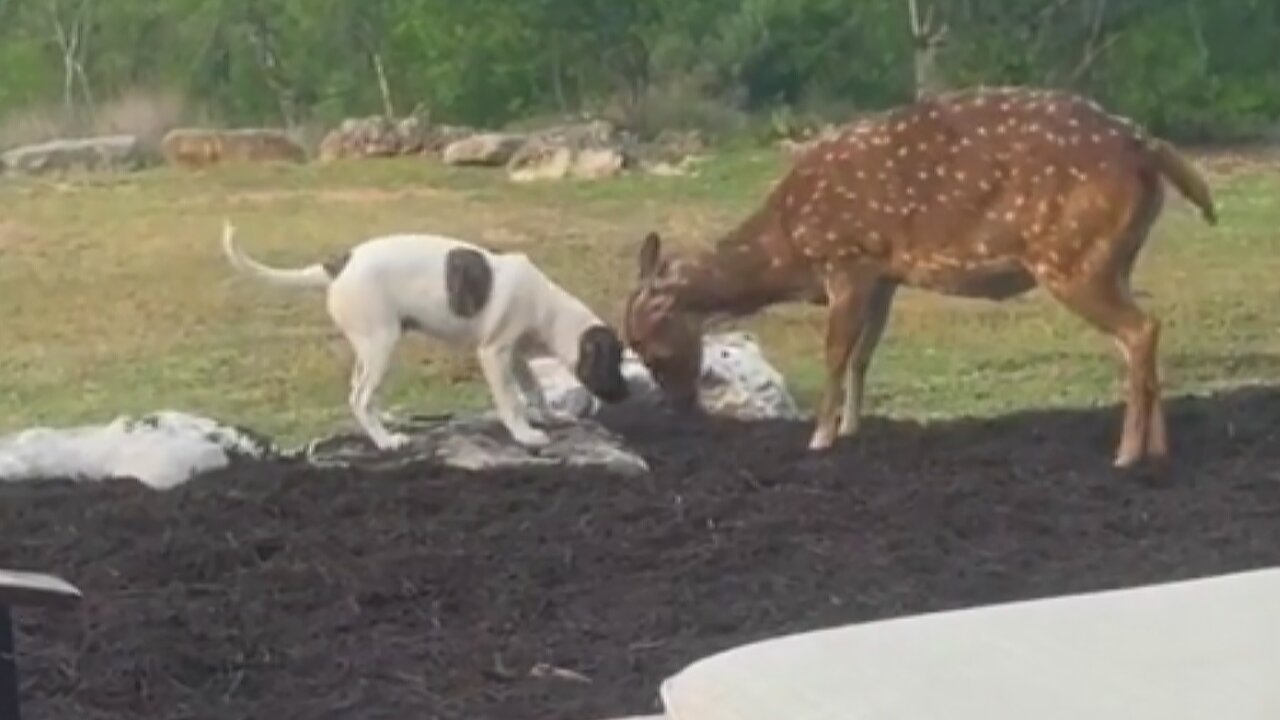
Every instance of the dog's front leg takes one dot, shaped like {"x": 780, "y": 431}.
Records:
{"x": 496, "y": 364}
{"x": 532, "y": 390}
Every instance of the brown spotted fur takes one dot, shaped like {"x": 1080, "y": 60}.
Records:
{"x": 984, "y": 193}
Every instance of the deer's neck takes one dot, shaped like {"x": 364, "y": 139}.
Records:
{"x": 752, "y": 267}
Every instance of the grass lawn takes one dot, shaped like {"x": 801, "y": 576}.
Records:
{"x": 116, "y": 298}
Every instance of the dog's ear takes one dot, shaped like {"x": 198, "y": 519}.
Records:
{"x": 468, "y": 281}
{"x": 600, "y": 364}
{"x": 650, "y": 255}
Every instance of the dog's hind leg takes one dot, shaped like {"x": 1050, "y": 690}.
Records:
{"x": 498, "y": 367}
{"x": 373, "y": 359}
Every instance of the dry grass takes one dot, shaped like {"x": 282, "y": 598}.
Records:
{"x": 117, "y": 300}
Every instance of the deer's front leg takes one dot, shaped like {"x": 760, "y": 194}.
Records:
{"x": 849, "y": 301}
{"x": 863, "y": 349}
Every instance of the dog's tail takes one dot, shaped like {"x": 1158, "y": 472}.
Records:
{"x": 311, "y": 276}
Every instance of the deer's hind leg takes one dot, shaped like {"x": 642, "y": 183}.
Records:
{"x": 1098, "y": 291}
{"x": 849, "y": 299}
{"x": 1108, "y": 306}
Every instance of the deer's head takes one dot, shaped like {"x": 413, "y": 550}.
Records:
{"x": 666, "y": 337}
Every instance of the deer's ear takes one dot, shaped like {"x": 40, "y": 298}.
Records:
{"x": 650, "y": 255}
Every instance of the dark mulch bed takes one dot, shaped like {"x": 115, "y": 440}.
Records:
{"x": 285, "y": 592}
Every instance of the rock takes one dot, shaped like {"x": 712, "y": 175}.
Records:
{"x": 331, "y": 147}
{"x": 439, "y": 137}
{"x": 737, "y": 382}
{"x": 795, "y": 147}
{"x": 409, "y": 134}
{"x": 379, "y": 136}
{"x": 490, "y": 149}
{"x": 110, "y": 153}
{"x": 195, "y": 148}
{"x": 597, "y": 163}
{"x": 674, "y": 153}
{"x": 545, "y": 162}
{"x": 537, "y": 161}
{"x": 161, "y": 450}
{"x": 586, "y": 151}
{"x": 674, "y": 146}
{"x": 479, "y": 443}
{"x": 662, "y": 168}
{"x": 593, "y": 133}
{"x": 373, "y": 136}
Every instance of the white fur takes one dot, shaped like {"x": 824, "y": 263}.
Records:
{"x": 395, "y": 277}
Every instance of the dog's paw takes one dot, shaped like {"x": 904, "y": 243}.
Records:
{"x": 552, "y": 418}
{"x": 394, "y": 441}
{"x": 531, "y": 437}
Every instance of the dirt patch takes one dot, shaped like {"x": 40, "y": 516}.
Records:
{"x": 281, "y": 591}
{"x": 14, "y": 235}
{"x": 357, "y": 196}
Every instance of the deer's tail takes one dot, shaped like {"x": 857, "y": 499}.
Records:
{"x": 1185, "y": 177}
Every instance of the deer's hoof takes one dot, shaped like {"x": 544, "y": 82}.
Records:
{"x": 822, "y": 440}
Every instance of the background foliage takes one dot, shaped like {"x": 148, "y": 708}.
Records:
{"x": 1192, "y": 69}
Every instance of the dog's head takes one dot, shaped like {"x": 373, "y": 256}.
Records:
{"x": 599, "y": 366}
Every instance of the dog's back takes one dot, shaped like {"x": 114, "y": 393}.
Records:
{"x": 449, "y": 289}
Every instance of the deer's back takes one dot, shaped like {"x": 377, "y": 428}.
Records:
{"x": 980, "y": 185}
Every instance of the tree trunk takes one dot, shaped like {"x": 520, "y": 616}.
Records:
{"x": 557, "y": 76}
{"x": 273, "y": 73}
{"x": 928, "y": 37}
{"x": 384, "y": 88}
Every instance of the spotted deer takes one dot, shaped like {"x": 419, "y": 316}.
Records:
{"x": 984, "y": 193}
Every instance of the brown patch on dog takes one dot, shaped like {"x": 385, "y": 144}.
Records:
{"x": 468, "y": 281}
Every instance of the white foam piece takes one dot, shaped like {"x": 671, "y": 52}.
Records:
{"x": 1193, "y": 650}
{"x": 162, "y": 450}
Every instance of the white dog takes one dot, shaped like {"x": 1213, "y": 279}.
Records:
{"x": 500, "y": 305}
